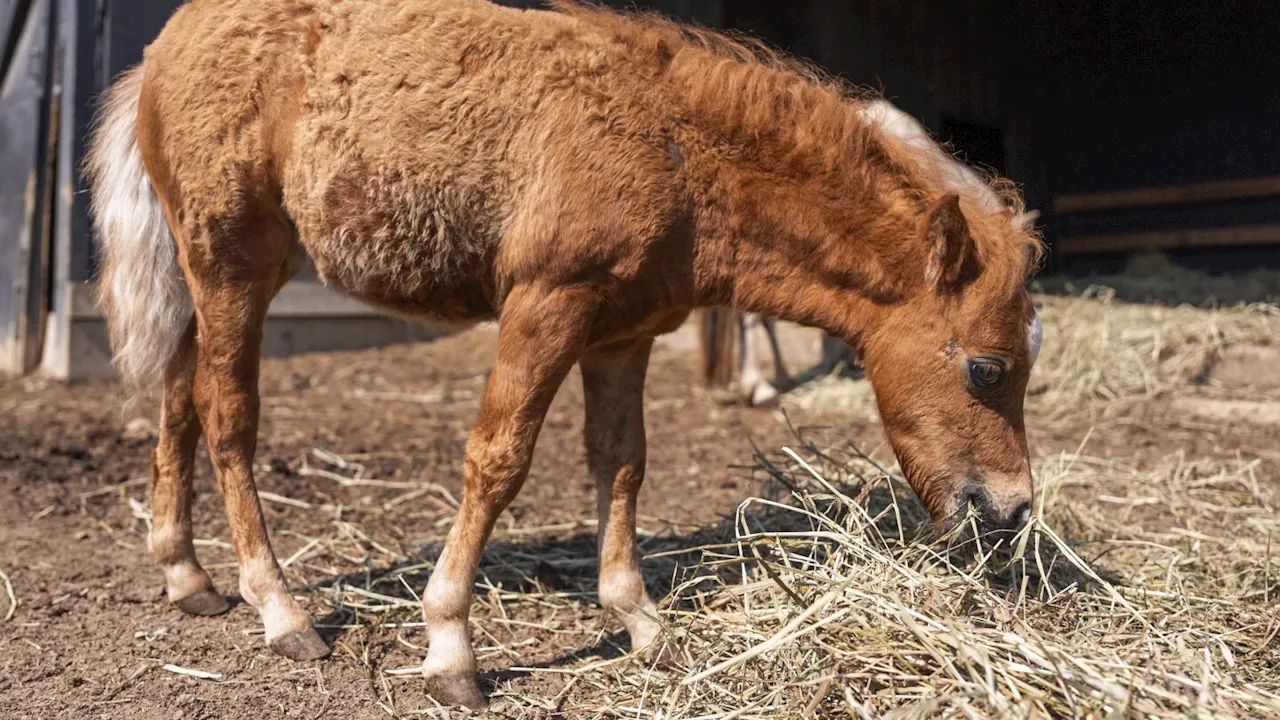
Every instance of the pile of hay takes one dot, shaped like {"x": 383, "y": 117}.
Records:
{"x": 1098, "y": 350}
{"x": 1165, "y": 605}
{"x": 1150, "y": 592}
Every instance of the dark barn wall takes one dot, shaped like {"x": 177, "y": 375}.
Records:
{"x": 961, "y": 67}
{"x": 1153, "y": 94}
{"x": 1085, "y": 96}
{"x": 1163, "y": 93}
{"x": 126, "y": 28}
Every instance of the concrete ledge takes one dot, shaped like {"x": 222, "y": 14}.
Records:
{"x": 299, "y": 298}
{"x": 304, "y": 317}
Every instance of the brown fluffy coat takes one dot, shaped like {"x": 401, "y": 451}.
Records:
{"x": 584, "y": 177}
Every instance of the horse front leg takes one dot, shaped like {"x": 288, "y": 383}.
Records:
{"x": 613, "y": 387}
{"x": 541, "y": 335}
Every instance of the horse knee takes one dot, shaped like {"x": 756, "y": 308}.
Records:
{"x": 495, "y": 468}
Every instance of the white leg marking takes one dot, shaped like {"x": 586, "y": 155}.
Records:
{"x": 622, "y": 591}
{"x": 449, "y": 650}
{"x": 262, "y": 586}
{"x": 446, "y": 604}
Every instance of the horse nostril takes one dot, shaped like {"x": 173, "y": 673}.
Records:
{"x": 1020, "y": 516}
{"x": 992, "y": 517}
{"x": 976, "y": 496}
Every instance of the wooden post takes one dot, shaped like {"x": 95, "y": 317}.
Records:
{"x": 25, "y": 123}
{"x": 64, "y": 348}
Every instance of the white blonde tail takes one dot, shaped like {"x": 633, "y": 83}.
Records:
{"x": 140, "y": 288}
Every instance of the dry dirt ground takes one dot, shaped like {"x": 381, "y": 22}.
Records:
{"x": 92, "y": 634}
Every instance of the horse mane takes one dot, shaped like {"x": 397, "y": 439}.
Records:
{"x": 815, "y": 122}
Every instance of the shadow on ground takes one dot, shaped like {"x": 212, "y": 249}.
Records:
{"x": 687, "y": 569}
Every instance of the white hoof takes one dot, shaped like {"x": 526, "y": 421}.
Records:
{"x": 764, "y": 395}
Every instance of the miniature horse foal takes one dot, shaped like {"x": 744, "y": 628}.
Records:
{"x": 585, "y": 178}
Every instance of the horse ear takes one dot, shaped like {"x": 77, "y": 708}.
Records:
{"x": 952, "y": 258}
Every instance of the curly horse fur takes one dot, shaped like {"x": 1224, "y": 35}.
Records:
{"x": 584, "y": 177}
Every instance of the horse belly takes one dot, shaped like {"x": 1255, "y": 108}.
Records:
{"x": 401, "y": 157}
{"x": 414, "y": 250}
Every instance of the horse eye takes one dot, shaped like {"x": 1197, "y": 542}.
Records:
{"x": 986, "y": 373}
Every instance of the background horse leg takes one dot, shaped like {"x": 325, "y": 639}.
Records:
{"x": 834, "y": 352}
{"x": 754, "y": 388}
{"x": 782, "y": 379}
{"x": 540, "y": 336}
{"x": 715, "y": 344}
{"x": 172, "y": 467}
{"x": 613, "y": 388}
{"x": 231, "y": 305}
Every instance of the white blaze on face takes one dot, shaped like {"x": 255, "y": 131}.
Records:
{"x": 1035, "y": 337}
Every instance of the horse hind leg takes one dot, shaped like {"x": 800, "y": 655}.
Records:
{"x": 782, "y": 379}
{"x": 836, "y": 352}
{"x": 231, "y": 300}
{"x": 187, "y": 584}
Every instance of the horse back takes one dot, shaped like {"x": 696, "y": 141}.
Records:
{"x": 428, "y": 153}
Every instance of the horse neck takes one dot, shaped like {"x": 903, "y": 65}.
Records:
{"x": 808, "y": 249}
{"x": 802, "y": 212}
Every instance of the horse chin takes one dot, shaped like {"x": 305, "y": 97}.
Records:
{"x": 949, "y": 528}
{"x": 958, "y": 534}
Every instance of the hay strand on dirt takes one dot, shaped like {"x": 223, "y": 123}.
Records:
{"x": 198, "y": 674}
{"x": 13, "y": 598}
